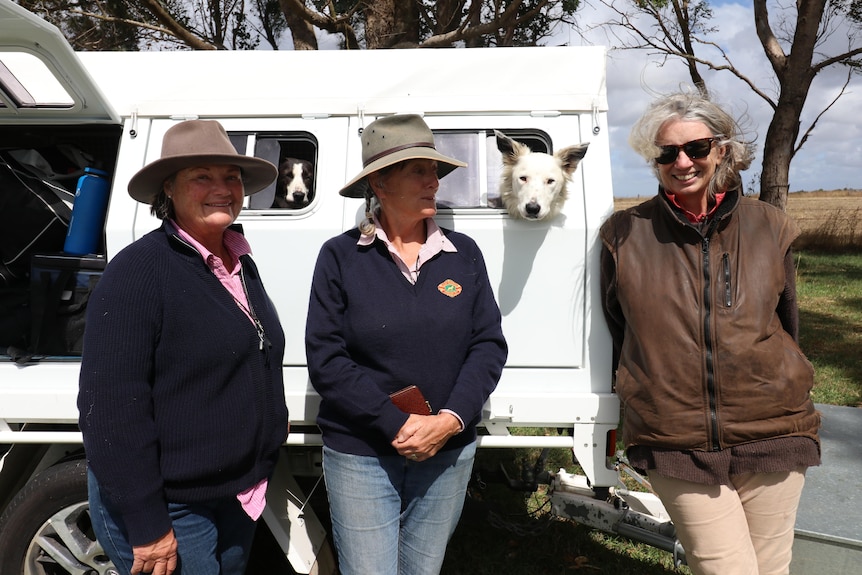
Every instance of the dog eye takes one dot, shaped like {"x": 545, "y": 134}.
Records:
{"x": 551, "y": 181}
{"x": 523, "y": 178}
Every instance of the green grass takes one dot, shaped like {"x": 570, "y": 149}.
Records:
{"x": 523, "y": 539}
{"x": 829, "y": 288}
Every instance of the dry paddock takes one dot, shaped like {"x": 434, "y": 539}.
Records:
{"x": 829, "y": 219}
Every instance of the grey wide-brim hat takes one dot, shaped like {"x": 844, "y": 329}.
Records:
{"x": 393, "y": 139}
{"x": 198, "y": 143}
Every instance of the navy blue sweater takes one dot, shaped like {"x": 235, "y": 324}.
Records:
{"x": 371, "y": 332}
{"x": 177, "y": 401}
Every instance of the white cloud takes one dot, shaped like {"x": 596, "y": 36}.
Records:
{"x": 829, "y": 160}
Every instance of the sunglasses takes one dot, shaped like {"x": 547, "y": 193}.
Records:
{"x": 695, "y": 150}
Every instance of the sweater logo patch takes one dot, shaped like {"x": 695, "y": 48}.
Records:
{"x": 449, "y": 288}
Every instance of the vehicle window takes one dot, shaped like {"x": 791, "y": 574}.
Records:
{"x": 295, "y": 154}
{"x": 28, "y": 83}
{"x": 478, "y": 185}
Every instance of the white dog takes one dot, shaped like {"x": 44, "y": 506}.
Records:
{"x": 533, "y": 185}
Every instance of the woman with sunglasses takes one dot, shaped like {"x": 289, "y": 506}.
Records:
{"x": 699, "y": 294}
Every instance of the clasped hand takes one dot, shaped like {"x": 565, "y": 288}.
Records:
{"x": 422, "y": 436}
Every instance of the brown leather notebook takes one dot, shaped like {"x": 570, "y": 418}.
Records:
{"x": 411, "y": 400}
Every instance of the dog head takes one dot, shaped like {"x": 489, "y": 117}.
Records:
{"x": 533, "y": 185}
{"x": 295, "y": 184}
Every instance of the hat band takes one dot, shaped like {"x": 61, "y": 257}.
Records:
{"x": 376, "y": 157}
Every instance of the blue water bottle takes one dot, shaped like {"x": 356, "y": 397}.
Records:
{"x": 88, "y": 213}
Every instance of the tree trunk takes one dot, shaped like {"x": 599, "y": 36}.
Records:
{"x": 301, "y": 28}
{"x": 777, "y": 154}
{"x": 390, "y": 24}
{"x": 795, "y": 74}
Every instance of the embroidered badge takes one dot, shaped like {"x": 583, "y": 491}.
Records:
{"x": 449, "y": 288}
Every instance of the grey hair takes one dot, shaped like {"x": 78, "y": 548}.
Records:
{"x": 163, "y": 206}
{"x": 367, "y": 226}
{"x": 694, "y": 107}
{"x": 372, "y": 204}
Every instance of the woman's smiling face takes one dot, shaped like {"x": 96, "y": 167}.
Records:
{"x": 207, "y": 199}
{"x": 686, "y": 178}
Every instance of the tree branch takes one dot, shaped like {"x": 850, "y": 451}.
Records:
{"x": 175, "y": 28}
{"x": 810, "y": 129}
{"x": 332, "y": 24}
{"x": 770, "y": 43}
{"x": 508, "y": 19}
{"x": 137, "y": 23}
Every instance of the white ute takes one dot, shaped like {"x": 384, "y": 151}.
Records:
{"x": 111, "y": 110}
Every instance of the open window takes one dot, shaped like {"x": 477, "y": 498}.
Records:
{"x": 295, "y": 154}
{"x": 478, "y": 185}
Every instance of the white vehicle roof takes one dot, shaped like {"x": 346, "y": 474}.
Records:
{"x": 321, "y": 82}
{"x": 537, "y": 80}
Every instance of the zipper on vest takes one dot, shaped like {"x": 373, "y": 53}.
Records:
{"x": 708, "y": 344}
{"x": 725, "y": 262}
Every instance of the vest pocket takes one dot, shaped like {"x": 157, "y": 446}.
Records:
{"x": 728, "y": 284}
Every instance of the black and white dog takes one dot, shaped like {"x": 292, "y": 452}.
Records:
{"x": 295, "y": 184}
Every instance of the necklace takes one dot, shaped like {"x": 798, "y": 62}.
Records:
{"x": 249, "y": 311}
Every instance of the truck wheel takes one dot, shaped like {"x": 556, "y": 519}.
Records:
{"x": 46, "y": 528}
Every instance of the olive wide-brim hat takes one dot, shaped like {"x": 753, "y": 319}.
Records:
{"x": 393, "y": 139}
{"x": 198, "y": 143}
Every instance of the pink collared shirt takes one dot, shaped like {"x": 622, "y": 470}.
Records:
{"x": 253, "y": 499}
{"x": 435, "y": 242}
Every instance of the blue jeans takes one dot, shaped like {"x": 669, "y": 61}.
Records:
{"x": 213, "y": 538}
{"x": 394, "y": 516}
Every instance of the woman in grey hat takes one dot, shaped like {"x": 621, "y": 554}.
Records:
{"x": 181, "y": 396}
{"x": 400, "y": 307}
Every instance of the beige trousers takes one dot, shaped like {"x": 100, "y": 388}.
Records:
{"x": 745, "y": 528}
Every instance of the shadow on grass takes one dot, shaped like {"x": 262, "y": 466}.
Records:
{"x": 830, "y": 308}
{"x": 554, "y": 546}
{"x": 833, "y": 343}
{"x": 507, "y": 532}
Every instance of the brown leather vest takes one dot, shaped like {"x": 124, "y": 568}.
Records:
{"x": 704, "y": 361}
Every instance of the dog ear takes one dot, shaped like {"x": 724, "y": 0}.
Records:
{"x": 504, "y": 143}
{"x": 510, "y": 149}
{"x": 571, "y": 156}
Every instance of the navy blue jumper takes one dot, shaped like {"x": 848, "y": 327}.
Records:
{"x": 371, "y": 332}
{"x": 177, "y": 400}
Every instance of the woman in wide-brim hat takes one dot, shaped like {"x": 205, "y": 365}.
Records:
{"x": 181, "y": 392}
{"x": 203, "y": 145}
{"x": 400, "y": 302}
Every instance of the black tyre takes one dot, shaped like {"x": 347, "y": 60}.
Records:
{"x": 46, "y": 528}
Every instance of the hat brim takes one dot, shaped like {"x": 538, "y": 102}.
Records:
{"x": 147, "y": 183}
{"x": 356, "y": 187}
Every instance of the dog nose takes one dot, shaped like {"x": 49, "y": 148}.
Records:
{"x": 298, "y": 196}
{"x": 532, "y": 209}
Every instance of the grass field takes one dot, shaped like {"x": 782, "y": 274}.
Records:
{"x": 829, "y": 282}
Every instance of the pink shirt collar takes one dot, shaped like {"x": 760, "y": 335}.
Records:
{"x": 435, "y": 242}
{"x": 238, "y": 246}
{"x": 234, "y": 241}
